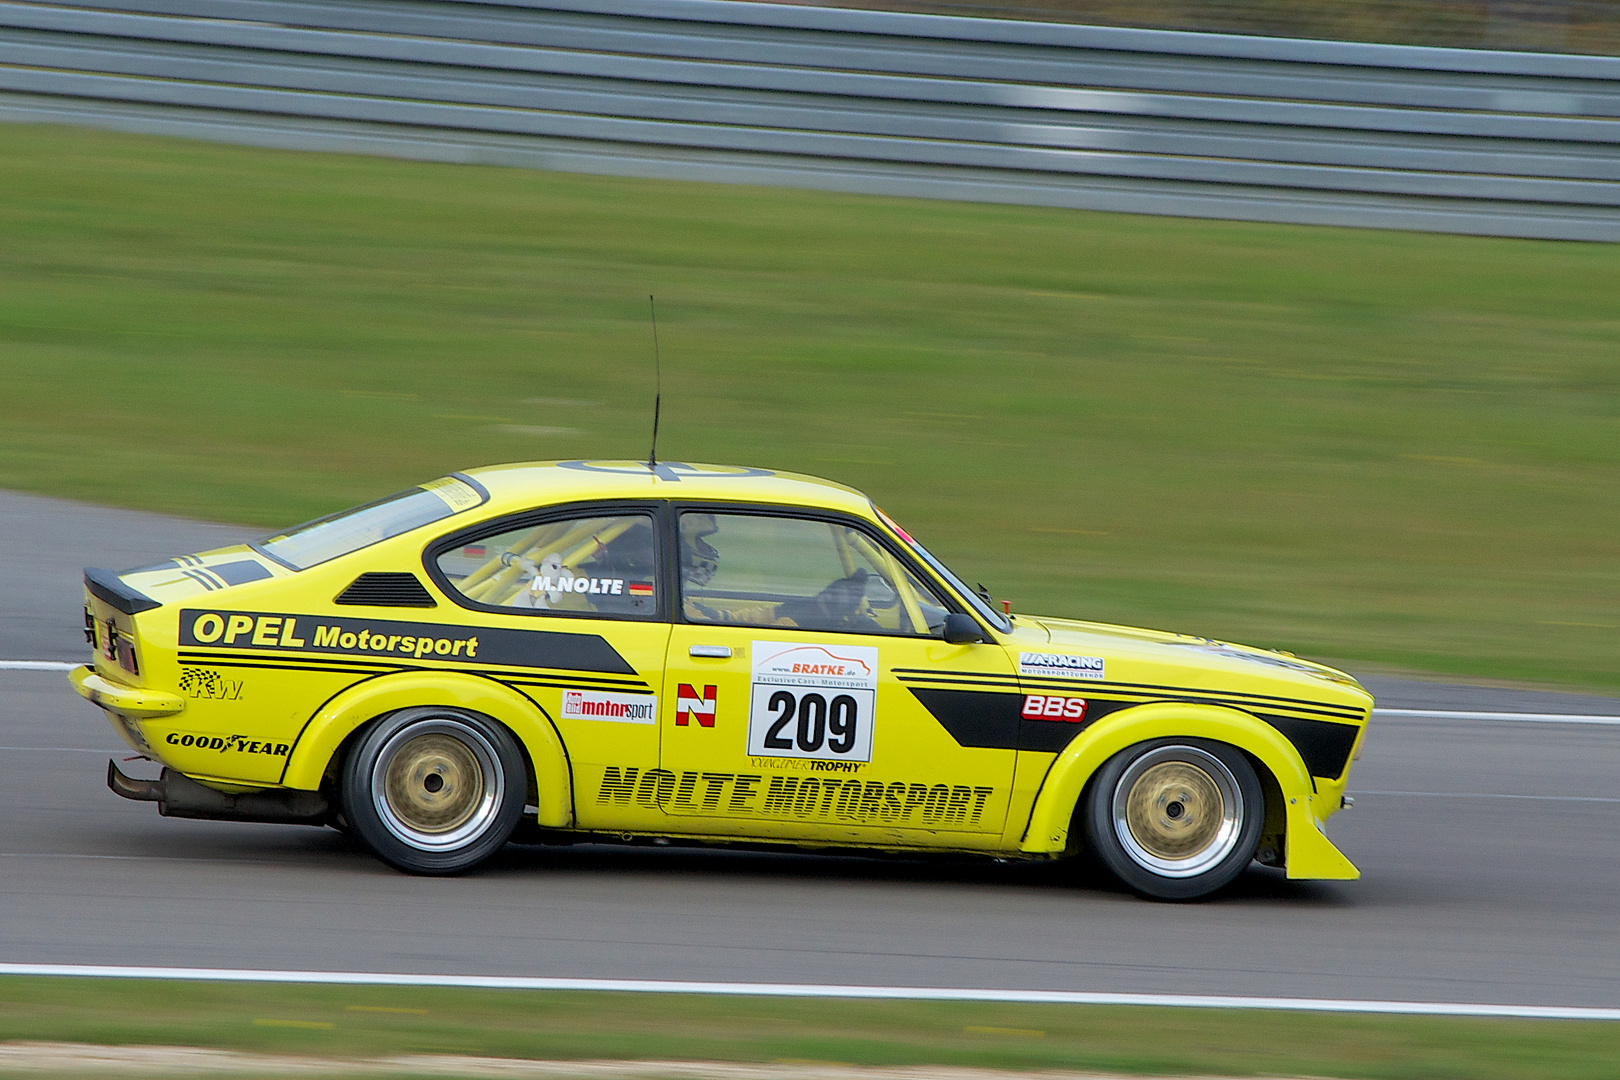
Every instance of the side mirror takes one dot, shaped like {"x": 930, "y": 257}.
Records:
{"x": 960, "y": 629}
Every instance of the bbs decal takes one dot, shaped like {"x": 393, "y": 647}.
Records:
{"x": 812, "y": 701}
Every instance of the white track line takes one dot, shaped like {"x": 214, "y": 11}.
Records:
{"x": 36, "y": 665}
{"x": 1519, "y": 717}
{"x": 812, "y": 990}
{"x": 1491, "y": 795}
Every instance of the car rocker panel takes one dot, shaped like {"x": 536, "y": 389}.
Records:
{"x": 610, "y": 651}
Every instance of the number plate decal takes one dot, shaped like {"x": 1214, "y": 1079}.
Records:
{"x": 812, "y": 701}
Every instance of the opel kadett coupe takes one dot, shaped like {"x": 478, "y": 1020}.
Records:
{"x": 610, "y": 651}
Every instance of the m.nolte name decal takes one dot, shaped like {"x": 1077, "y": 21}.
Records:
{"x": 385, "y": 638}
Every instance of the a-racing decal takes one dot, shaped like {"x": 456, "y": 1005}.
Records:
{"x": 692, "y": 702}
{"x": 805, "y": 798}
{"x": 277, "y": 633}
{"x": 617, "y": 708}
{"x": 812, "y": 701}
{"x": 1059, "y": 666}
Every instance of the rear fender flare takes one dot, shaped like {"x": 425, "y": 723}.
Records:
{"x": 362, "y": 703}
{"x": 1049, "y": 822}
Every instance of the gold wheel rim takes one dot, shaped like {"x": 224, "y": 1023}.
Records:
{"x": 1175, "y": 811}
{"x": 434, "y": 784}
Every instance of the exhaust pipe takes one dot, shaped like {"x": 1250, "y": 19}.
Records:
{"x": 179, "y": 796}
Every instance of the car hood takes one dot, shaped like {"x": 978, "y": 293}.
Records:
{"x": 1156, "y": 658}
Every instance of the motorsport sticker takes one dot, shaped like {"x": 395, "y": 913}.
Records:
{"x": 812, "y": 701}
{"x": 1058, "y": 666}
{"x": 619, "y": 708}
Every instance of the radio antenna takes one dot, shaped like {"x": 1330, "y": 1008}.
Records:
{"x": 658, "y": 385}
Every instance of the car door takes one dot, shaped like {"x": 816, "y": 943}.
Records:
{"x": 786, "y": 710}
{"x": 581, "y": 587}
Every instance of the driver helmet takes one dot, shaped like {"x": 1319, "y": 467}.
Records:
{"x": 699, "y": 560}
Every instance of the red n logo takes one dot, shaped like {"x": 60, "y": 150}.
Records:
{"x": 689, "y": 703}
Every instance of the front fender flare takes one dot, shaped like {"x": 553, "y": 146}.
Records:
{"x": 365, "y": 701}
{"x": 1308, "y": 854}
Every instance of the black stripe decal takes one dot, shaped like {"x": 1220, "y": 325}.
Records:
{"x": 988, "y": 720}
{"x": 240, "y": 572}
{"x": 1072, "y": 690}
{"x": 199, "y": 578}
{"x": 1083, "y": 687}
{"x": 936, "y": 680}
{"x": 294, "y": 667}
{"x": 1324, "y": 747}
{"x": 344, "y": 667}
{"x": 379, "y": 639}
{"x": 1197, "y": 699}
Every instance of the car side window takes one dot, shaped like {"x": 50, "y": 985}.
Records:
{"x": 584, "y": 565}
{"x": 766, "y": 570}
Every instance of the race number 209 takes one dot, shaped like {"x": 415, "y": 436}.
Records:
{"x": 812, "y": 701}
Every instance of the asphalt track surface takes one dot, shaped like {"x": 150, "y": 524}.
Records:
{"x": 1490, "y": 853}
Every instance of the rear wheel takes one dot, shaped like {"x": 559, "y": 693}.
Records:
{"x": 1176, "y": 819}
{"x": 434, "y": 791}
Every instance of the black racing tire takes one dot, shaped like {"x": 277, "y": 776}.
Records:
{"x": 1175, "y": 819}
{"x": 434, "y": 790}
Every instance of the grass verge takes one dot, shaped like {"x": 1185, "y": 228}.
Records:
{"x": 1392, "y": 447}
{"x": 388, "y": 1021}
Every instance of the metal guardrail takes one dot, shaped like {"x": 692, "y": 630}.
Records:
{"x": 1207, "y": 125}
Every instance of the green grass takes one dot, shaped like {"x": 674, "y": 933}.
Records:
{"x": 1385, "y": 447}
{"x": 545, "y": 1025}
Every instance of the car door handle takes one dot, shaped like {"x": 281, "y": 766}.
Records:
{"x": 719, "y": 652}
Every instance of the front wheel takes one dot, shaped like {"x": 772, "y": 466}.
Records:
{"x": 1176, "y": 819}
{"x": 434, "y": 790}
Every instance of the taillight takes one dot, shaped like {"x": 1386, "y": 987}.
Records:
{"x": 117, "y": 650}
{"x": 90, "y": 626}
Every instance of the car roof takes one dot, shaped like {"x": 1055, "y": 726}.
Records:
{"x": 526, "y": 484}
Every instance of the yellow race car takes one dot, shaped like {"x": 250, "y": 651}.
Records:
{"x": 593, "y": 651}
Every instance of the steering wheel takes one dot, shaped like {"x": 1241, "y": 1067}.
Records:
{"x": 842, "y": 604}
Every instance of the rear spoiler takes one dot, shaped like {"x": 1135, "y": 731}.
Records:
{"x": 107, "y": 587}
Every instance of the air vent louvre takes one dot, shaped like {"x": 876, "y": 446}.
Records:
{"x": 385, "y": 589}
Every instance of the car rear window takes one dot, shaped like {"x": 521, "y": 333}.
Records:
{"x": 323, "y": 539}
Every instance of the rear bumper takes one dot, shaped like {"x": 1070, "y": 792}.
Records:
{"x": 131, "y": 701}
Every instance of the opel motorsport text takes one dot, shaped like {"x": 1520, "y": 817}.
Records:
{"x": 700, "y": 653}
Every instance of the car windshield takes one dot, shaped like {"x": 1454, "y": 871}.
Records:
{"x": 326, "y": 538}
{"x": 994, "y": 617}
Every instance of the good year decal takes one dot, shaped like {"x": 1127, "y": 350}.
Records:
{"x": 812, "y": 701}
